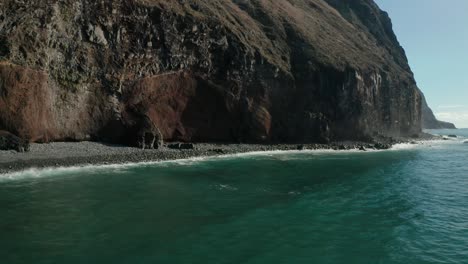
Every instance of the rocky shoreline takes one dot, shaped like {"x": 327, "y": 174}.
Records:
{"x": 67, "y": 154}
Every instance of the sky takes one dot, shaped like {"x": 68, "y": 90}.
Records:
{"x": 434, "y": 34}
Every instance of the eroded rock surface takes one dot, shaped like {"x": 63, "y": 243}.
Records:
{"x": 9, "y": 141}
{"x": 227, "y": 70}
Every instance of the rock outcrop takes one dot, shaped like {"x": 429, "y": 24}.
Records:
{"x": 227, "y": 70}
{"x": 9, "y": 141}
{"x": 429, "y": 121}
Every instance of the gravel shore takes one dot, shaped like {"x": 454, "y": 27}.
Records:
{"x": 65, "y": 154}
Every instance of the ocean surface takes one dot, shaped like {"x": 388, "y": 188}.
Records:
{"x": 405, "y": 205}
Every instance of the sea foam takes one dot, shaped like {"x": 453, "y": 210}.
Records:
{"x": 123, "y": 167}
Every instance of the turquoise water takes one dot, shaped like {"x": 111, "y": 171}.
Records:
{"x": 407, "y": 205}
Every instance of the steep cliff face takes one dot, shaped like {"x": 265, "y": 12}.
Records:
{"x": 221, "y": 70}
{"x": 429, "y": 121}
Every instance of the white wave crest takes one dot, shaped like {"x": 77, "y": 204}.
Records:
{"x": 123, "y": 167}
{"x": 407, "y": 146}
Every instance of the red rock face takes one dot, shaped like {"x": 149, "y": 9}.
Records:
{"x": 186, "y": 107}
{"x": 183, "y": 106}
{"x": 25, "y": 103}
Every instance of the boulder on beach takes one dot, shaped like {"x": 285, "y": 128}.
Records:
{"x": 8, "y": 141}
{"x": 382, "y": 146}
{"x": 181, "y": 146}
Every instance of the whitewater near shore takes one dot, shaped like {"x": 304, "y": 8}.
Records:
{"x": 68, "y": 154}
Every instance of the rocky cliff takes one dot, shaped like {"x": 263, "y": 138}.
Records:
{"x": 204, "y": 70}
{"x": 429, "y": 121}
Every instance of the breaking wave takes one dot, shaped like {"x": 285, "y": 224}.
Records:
{"x": 123, "y": 167}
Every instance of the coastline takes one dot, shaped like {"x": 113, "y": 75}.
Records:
{"x": 70, "y": 154}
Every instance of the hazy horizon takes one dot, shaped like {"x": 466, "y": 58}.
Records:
{"x": 434, "y": 37}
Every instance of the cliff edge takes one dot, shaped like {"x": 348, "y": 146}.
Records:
{"x": 224, "y": 70}
{"x": 429, "y": 121}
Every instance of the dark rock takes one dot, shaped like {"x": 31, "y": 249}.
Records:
{"x": 142, "y": 129}
{"x": 300, "y": 147}
{"x": 4, "y": 48}
{"x": 452, "y": 136}
{"x": 429, "y": 121}
{"x": 173, "y": 146}
{"x": 181, "y": 146}
{"x": 187, "y": 146}
{"x": 217, "y": 151}
{"x": 200, "y": 77}
{"x": 382, "y": 146}
{"x": 362, "y": 148}
{"x": 9, "y": 141}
